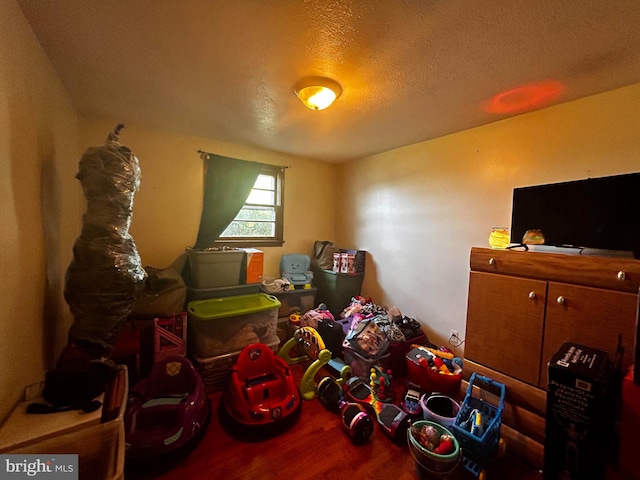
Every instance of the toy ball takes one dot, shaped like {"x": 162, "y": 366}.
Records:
{"x": 445, "y": 447}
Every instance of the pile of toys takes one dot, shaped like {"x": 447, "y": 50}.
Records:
{"x": 364, "y": 403}
{"x": 432, "y": 440}
{"x": 440, "y": 361}
{"x": 365, "y": 328}
{"x": 434, "y": 369}
{"x": 435, "y": 450}
{"x": 396, "y": 327}
{"x": 373, "y": 334}
{"x": 361, "y": 391}
{"x": 362, "y": 345}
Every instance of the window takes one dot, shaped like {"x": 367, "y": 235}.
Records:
{"x": 260, "y": 220}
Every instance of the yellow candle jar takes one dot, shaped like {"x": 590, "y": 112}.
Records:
{"x": 499, "y": 238}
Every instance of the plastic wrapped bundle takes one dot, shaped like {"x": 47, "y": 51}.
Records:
{"x": 105, "y": 276}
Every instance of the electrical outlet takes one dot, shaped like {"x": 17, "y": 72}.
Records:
{"x": 453, "y": 334}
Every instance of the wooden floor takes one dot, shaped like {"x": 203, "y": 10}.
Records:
{"x": 315, "y": 447}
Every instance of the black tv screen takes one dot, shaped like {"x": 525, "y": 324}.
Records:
{"x": 599, "y": 213}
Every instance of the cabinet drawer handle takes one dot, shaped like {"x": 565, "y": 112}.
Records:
{"x": 560, "y": 300}
{"x": 621, "y": 275}
{"x": 492, "y": 261}
{"x": 532, "y": 295}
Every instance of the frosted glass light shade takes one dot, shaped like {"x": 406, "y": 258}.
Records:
{"x": 317, "y": 93}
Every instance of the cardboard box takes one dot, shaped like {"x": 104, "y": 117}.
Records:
{"x": 629, "y": 427}
{"x": 255, "y": 265}
{"x": 98, "y": 438}
{"x": 579, "y": 426}
{"x": 355, "y": 261}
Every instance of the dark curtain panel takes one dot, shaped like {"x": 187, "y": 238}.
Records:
{"x": 228, "y": 183}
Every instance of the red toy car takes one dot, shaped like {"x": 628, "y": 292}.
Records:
{"x": 261, "y": 390}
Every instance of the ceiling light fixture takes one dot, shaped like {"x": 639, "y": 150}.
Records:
{"x": 317, "y": 93}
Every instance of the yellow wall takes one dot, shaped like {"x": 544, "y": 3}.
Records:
{"x": 419, "y": 209}
{"x": 167, "y": 208}
{"x": 41, "y": 202}
{"x": 39, "y": 207}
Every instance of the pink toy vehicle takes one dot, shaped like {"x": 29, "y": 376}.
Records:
{"x": 168, "y": 411}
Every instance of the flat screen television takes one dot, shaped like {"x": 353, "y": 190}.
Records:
{"x": 597, "y": 213}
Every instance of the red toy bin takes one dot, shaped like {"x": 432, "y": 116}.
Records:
{"x": 398, "y": 352}
{"x": 428, "y": 380}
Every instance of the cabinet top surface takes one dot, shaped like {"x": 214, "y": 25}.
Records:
{"x": 613, "y": 273}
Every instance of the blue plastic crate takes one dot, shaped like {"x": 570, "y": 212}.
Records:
{"x": 479, "y": 443}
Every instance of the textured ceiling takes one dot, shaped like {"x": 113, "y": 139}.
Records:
{"x": 410, "y": 70}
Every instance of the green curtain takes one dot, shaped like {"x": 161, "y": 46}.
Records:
{"x": 228, "y": 183}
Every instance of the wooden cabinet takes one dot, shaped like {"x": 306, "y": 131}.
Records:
{"x": 523, "y": 305}
{"x": 505, "y": 322}
{"x": 588, "y": 316}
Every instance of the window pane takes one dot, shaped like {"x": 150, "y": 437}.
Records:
{"x": 265, "y": 182}
{"x": 261, "y": 197}
{"x": 261, "y": 217}
{"x": 249, "y": 229}
{"x": 257, "y": 213}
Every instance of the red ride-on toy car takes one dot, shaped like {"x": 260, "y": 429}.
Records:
{"x": 262, "y": 393}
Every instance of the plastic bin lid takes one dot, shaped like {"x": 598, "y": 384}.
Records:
{"x": 213, "y": 308}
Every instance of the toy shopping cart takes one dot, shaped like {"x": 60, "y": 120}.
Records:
{"x": 477, "y": 425}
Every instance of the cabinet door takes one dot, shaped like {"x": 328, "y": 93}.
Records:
{"x": 592, "y": 317}
{"x": 505, "y": 317}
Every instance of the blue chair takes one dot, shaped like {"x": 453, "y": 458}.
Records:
{"x": 296, "y": 268}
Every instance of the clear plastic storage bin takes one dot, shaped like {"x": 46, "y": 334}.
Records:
{"x": 216, "y": 371}
{"x": 224, "y": 325}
